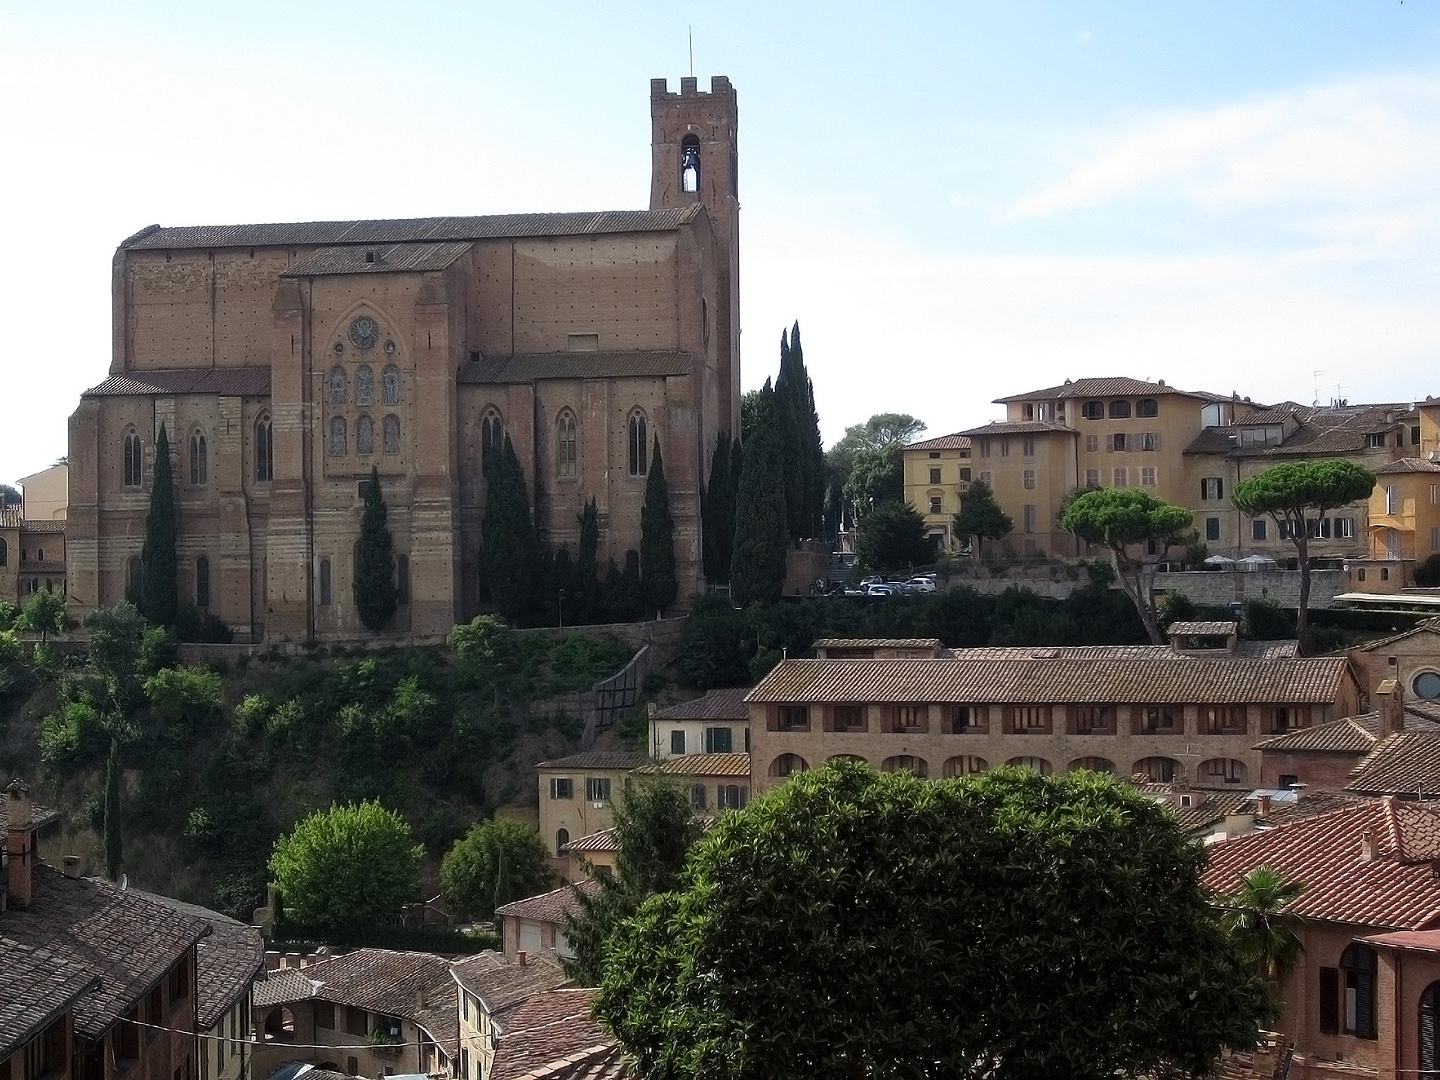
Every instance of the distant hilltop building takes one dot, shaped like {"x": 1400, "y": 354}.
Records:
{"x": 285, "y": 361}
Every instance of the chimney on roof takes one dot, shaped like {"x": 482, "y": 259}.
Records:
{"x": 1390, "y": 704}
{"x": 522, "y": 958}
{"x": 20, "y": 846}
{"x": 1262, "y": 805}
{"x": 72, "y": 866}
{"x": 421, "y": 1002}
{"x": 1367, "y": 847}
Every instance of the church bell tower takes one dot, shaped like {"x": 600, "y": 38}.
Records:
{"x": 694, "y": 159}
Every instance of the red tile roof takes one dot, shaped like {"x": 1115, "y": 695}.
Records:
{"x": 226, "y": 960}
{"x": 1350, "y": 735}
{"x": 1115, "y": 386}
{"x": 552, "y": 1036}
{"x": 502, "y": 986}
{"x": 1396, "y": 889}
{"x": 387, "y": 259}
{"x": 604, "y": 840}
{"x": 941, "y": 442}
{"x": 624, "y": 760}
{"x": 728, "y": 704}
{"x": 1193, "y": 680}
{"x": 700, "y": 765}
{"x": 227, "y": 381}
{"x": 41, "y": 985}
{"x": 548, "y": 907}
{"x": 1411, "y": 940}
{"x": 1014, "y": 427}
{"x": 1403, "y": 763}
{"x": 876, "y": 643}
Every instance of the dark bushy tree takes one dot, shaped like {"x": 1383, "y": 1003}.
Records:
{"x": 715, "y": 644}
{"x": 1427, "y": 573}
{"x": 655, "y": 828}
{"x": 762, "y": 538}
{"x": 657, "y": 538}
{"x": 510, "y": 554}
{"x": 718, "y": 513}
{"x": 43, "y": 614}
{"x": 802, "y": 458}
{"x": 980, "y": 516}
{"x": 159, "y": 593}
{"x": 1294, "y": 491}
{"x": 587, "y": 605}
{"x": 1139, "y": 530}
{"x": 1023, "y": 927}
{"x": 375, "y": 594}
{"x": 891, "y": 536}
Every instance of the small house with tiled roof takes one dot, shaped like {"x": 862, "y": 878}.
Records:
{"x": 554, "y": 1037}
{"x": 576, "y": 794}
{"x": 1362, "y": 1001}
{"x": 367, "y": 1013}
{"x": 535, "y": 926}
{"x": 1412, "y": 657}
{"x": 492, "y": 989}
{"x": 1188, "y": 717}
{"x": 717, "y": 723}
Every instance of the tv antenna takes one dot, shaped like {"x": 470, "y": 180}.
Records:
{"x": 690, "y": 33}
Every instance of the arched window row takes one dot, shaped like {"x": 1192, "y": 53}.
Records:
{"x": 338, "y": 440}
{"x": 786, "y": 764}
{"x": 492, "y": 436}
{"x": 199, "y": 453}
{"x": 337, "y": 385}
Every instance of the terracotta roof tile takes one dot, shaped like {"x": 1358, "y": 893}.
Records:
{"x": 282, "y": 985}
{"x": 227, "y": 960}
{"x": 604, "y": 840}
{"x": 551, "y": 1036}
{"x": 552, "y": 906}
{"x": 129, "y": 942}
{"x": 941, "y": 442}
{"x": 1014, "y": 427}
{"x": 1350, "y": 735}
{"x": 1424, "y": 626}
{"x": 386, "y": 259}
{"x": 1057, "y": 680}
{"x": 700, "y": 765}
{"x": 502, "y": 986}
{"x": 1320, "y": 431}
{"x": 877, "y": 643}
{"x": 40, "y": 816}
{"x": 529, "y": 367}
{"x": 37, "y": 527}
{"x": 1244, "y": 650}
{"x": 597, "y": 759}
{"x": 726, "y": 704}
{"x": 41, "y": 985}
{"x": 1212, "y": 628}
{"x": 400, "y": 230}
{"x": 1408, "y": 465}
{"x": 1116, "y": 386}
{"x": 1403, "y": 763}
{"x": 227, "y": 381}
{"x": 386, "y": 981}
{"x": 1394, "y": 890}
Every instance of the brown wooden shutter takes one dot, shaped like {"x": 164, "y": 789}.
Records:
{"x": 1329, "y": 1000}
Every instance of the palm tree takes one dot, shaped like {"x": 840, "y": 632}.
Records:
{"x": 1260, "y": 920}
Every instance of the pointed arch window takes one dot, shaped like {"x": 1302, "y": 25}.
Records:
{"x": 639, "y": 446}
{"x": 264, "y": 450}
{"x": 325, "y": 581}
{"x": 202, "y": 583}
{"x": 392, "y": 384}
{"x": 364, "y": 384}
{"x": 392, "y": 434}
{"x": 364, "y": 435}
{"x": 492, "y": 435}
{"x": 568, "y": 449}
{"x": 338, "y": 385}
{"x": 337, "y": 437}
{"x": 690, "y": 164}
{"x": 199, "y": 466}
{"x": 133, "y": 459}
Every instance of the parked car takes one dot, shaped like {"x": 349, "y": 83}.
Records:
{"x": 873, "y": 579}
{"x": 920, "y": 585}
{"x": 880, "y": 589}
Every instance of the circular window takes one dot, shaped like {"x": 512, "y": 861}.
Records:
{"x": 364, "y": 332}
{"x": 1427, "y": 685}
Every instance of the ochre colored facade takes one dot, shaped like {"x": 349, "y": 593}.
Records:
{"x": 286, "y": 361}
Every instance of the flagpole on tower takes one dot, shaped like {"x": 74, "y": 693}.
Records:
{"x": 690, "y": 31}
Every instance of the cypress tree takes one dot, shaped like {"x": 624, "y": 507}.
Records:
{"x": 588, "y": 601}
{"x": 812, "y": 450}
{"x": 719, "y": 512}
{"x": 112, "y": 811}
{"x": 657, "y": 538}
{"x": 762, "y": 538}
{"x": 159, "y": 595}
{"x": 375, "y": 593}
{"x": 511, "y": 555}
{"x": 785, "y": 412}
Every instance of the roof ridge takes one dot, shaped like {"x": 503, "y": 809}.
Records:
{"x": 1392, "y": 823}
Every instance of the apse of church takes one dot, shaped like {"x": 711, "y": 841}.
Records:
{"x": 286, "y": 361}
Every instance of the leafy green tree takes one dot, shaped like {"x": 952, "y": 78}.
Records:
{"x": 762, "y": 537}
{"x": 8, "y": 614}
{"x": 159, "y": 592}
{"x": 43, "y": 614}
{"x": 655, "y": 828}
{"x": 495, "y": 862}
{"x": 718, "y": 513}
{"x": 1004, "y": 925}
{"x": 657, "y": 538}
{"x": 1261, "y": 919}
{"x": 347, "y": 866}
{"x": 184, "y": 697}
{"x": 980, "y": 516}
{"x": 487, "y": 649}
{"x": 1174, "y": 606}
{"x": 511, "y": 552}
{"x": 891, "y": 536}
{"x": 868, "y": 462}
{"x": 715, "y": 644}
{"x": 115, "y": 654}
{"x": 1262, "y": 619}
{"x": 1295, "y": 493}
{"x": 1139, "y": 530}
{"x": 376, "y": 596}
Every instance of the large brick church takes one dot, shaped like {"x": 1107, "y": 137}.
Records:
{"x": 284, "y": 361}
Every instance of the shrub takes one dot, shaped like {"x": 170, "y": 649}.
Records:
{"x": 1427, "y": 573}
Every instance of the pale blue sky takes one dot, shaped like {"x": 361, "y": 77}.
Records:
{"x": 957, "y": 201}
